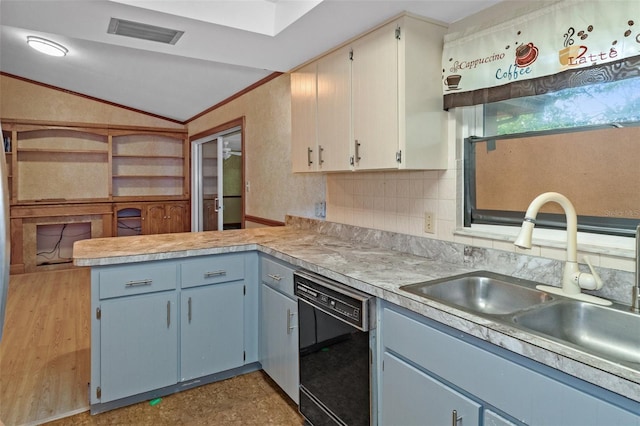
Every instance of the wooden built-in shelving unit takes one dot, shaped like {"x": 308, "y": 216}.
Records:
{"x": 68, "y": 173}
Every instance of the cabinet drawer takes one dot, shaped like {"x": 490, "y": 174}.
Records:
{"x": 212, "y": 269}
{"x": 137, "y": 279}
{"x": 276, "y": 275}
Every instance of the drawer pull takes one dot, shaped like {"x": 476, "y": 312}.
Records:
{"x": 455, "y": 418}
{"x": 189, "y": 313}
{"x": 139, "y": 283}
{"x": 219, "y": 273}
{"x": 168, "y": 314}
{"x": 274, "y": 277}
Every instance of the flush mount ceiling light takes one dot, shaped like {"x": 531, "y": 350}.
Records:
{"x": 47, "y": 47}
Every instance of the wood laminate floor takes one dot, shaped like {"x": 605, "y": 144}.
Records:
{"x": 45, "y": 368}
{"x": 44, "y": 353}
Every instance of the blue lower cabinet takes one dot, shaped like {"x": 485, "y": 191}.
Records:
{"x": 495, "y": 419}
{"x": 139, "y": 344}
{"x": 429, "y": 370}
{"x": 162, "y": 326}
{"x": 211, "y": 329}
{"x": 279, "y": 337}
{"x": 412, "y": 397}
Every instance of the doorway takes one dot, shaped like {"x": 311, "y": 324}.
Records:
{"x": 218, "y": 179}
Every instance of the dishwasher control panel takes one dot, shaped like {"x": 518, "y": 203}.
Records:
{"x": 334, "y": 298}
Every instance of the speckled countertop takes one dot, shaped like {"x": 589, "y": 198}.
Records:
{"x": 367, "y": 267}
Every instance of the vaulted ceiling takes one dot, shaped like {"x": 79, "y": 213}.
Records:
{"x": 226, "y": 45}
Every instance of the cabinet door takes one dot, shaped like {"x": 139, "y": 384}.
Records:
{"x": 375, "y": 99}
{"x": 304, "y": 155}
{"x": 176, "y": 217}
{"x": 494, "y": 419}
{"x": 334, "y": 110}
{"x": 280, "y": 340}
{"x": 138, "y": 344}
{"x": 212, "y": 329}
{"x": 411, "y": 397}
{"x": 153, "y": 220}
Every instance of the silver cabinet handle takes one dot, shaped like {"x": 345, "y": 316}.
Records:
{"x": 320, "y": 151}
{"x": 138, "y": 283}
{"x": 309, "y": 161}
{"x": 168, "y": 314}
{"x": 274, "y": 277}
{"x": 455, "y": 418}
{"x": 357, "y": 152}
{"x": 218, "y": 273}
{"x": 289, "y": 317}
{"x": 189, "y": 310}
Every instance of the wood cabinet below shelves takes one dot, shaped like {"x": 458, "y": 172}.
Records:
{"x": 151, "y": 218}
{"x": 165, "y": 218}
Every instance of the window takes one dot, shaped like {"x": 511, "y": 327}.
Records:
{"x": 598, "y": 104}
{"x": 582, "y": 142}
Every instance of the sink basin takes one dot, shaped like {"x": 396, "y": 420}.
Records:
{"x": 608, "y": 332}
{"x": 482, "y": 292}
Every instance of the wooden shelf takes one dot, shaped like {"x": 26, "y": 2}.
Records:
{"x": 147, "y": 157}
{"x": 148, "y": 198}
{"x": 149, "y": 164}
{"x": 62, "y": 151}
{"x": 149, "y": 176}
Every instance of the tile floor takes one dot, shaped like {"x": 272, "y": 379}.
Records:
{"x": 251, "y": 399}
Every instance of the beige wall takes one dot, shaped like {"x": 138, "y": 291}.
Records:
{"x": 22, "y": 100}
{"x": 273, "y": 190}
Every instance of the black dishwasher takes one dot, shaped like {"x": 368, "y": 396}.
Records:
{"x": 334, "y": 349}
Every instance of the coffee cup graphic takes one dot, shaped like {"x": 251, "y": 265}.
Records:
{"x": 453, "y": 81}
{"x": 569, "y": 54}
{"x": 526, "y": 54}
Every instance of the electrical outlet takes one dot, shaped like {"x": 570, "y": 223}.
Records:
{"x": 321, "y": 209}
{"x": 429, "y": 219}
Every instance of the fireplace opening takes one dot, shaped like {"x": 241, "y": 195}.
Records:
{"x": 54, "y": 243}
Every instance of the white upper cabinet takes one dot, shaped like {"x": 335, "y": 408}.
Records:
{"x": 303, "y": 119}
{"x": 374, "y": 88}
{"x": 334, "y": 110}
{"x": 378, "y": 103}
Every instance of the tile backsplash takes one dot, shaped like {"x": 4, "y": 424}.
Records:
{"x": 394, "y": 201}
{"x": 397, "y": 201}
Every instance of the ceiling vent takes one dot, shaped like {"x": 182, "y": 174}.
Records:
{"x": 143, "y": 31}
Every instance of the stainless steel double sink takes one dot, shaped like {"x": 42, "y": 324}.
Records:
{"x": 611, "y": 333}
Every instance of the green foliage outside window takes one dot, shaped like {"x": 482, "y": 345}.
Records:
{"x": 598, "y": 104}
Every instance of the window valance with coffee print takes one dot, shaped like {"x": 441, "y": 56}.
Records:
{"x": 567, "y": 44}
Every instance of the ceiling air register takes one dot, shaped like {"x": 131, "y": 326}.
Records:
{"x": 143, "y": 31}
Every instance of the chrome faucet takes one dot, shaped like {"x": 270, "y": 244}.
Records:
{"x": 572, "y": 279}
{"x": 635, "y": 291}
